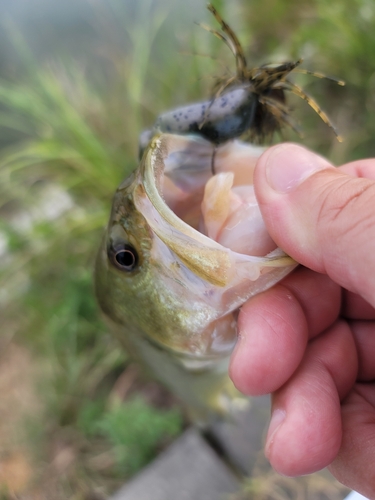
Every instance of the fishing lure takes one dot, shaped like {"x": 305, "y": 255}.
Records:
{"x": 251, "y": 102}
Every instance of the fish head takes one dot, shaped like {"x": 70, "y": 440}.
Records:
{"x": 158, "y": 275}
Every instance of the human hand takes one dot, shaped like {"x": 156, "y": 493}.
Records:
{"x": 310, "y": 340}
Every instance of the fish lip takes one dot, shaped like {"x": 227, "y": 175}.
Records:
{"x": 198, "y": 252}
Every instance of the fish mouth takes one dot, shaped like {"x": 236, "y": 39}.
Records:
{"x": 179, "y": 167}
{"x": 201, "y": 282}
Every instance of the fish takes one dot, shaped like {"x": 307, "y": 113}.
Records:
{"x": 184, "y": 248}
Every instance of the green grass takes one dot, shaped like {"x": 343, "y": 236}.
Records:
{"x": 76, "y": 141}
{"x": 72, "y": 125}
{"x": 136, "y": 431}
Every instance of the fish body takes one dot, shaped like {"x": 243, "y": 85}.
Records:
{"x": 170, "y": 292}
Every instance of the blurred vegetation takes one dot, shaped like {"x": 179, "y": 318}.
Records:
{"x": 266, "y": 484}
{"x": 70, "y": 114}
{"x": 134, "y": 429}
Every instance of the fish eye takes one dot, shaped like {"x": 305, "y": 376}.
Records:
{"x": 124, "y": 257}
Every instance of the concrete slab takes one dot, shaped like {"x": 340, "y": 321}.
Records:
{"x": 188, "y": 470}
{"x": 242, "y": 439}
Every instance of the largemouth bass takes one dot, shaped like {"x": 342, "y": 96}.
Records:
{"x": 185, "y": 247}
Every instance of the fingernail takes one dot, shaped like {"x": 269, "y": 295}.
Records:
{"x": 288, "y": 165}
{"x": 277, "y": 419}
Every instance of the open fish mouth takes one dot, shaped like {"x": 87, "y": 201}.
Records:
{"x": 215, "y": 251}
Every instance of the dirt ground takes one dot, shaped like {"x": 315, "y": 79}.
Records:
{"x": 20, "y": 474}
{"x": 17, "y": 402}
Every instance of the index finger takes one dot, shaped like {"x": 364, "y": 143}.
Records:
{"x": 275, "y": 326}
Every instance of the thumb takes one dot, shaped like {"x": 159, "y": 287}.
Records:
{"x": 320, "y": 215}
